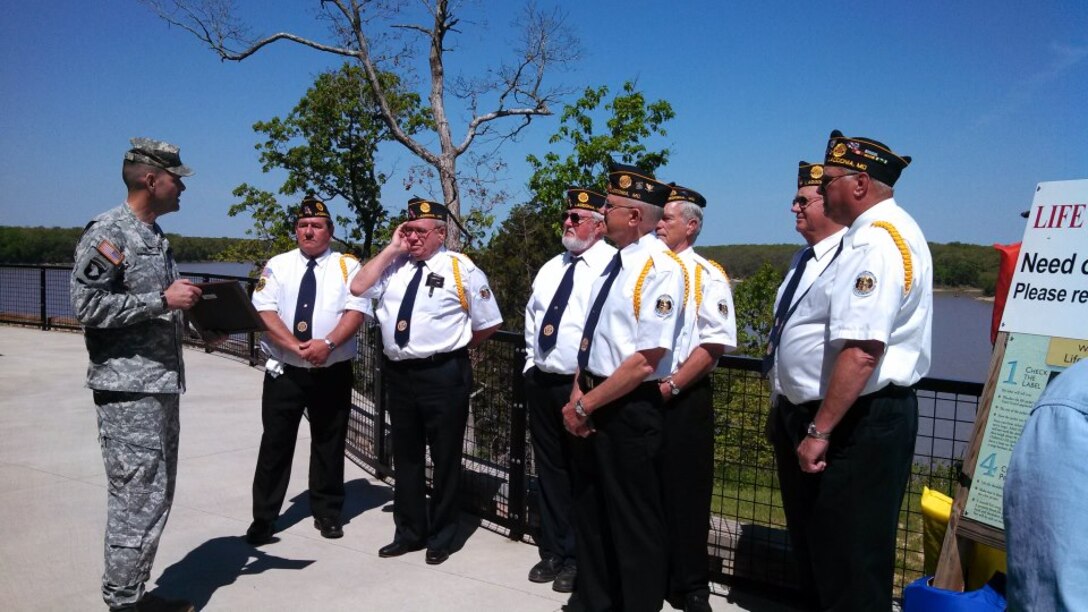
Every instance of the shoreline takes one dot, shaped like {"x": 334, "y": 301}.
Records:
{"x": 972, "y": 293}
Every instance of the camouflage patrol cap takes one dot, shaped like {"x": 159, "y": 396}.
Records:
{"x": 158, "y": 154}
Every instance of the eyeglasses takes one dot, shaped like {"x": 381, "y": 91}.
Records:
{"x": 415, "y": 231}
{"x": 803, "y": 202}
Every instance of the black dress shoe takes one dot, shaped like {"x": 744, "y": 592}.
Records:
{"x": 437, "y": 555}
{"x": 545, "y": 570}
{"x": 260, "y": 532}
{"x": 564, "y": 581}
{"x": 396, "y": 549}
{"x": 329, "y": 527}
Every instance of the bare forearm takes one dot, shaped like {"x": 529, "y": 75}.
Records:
{"x": 278, "y": 332}
{"x": 480, "y": 336}
{"x": 631, "y": 373}
{"x": 347, "y": 326}
{"x": 700, "y": 363}
{"x": 853, "y": 367}
{"x": 372, "y": 270}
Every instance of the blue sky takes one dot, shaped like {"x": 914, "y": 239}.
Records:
{"x": 987, "y": 97}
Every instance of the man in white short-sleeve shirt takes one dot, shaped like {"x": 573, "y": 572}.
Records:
{"x": 432, "y": 305}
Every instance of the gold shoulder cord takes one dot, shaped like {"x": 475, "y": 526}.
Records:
{"x": 683, "y": 269}
{"x": 637, "y": 299}
{"x": 460, "y": 285}
{"x": 698, "y": 286}
{"x": 720, "y": 269}
{"x": 908, "y": 266}
{"x": 344, "y": 268}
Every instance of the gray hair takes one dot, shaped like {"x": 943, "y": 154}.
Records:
{"x": 690, "y": 211}
{"x": 651, "y": 213}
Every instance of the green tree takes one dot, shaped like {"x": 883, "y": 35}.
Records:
{"x": 327, "y": 145}
{"x": 753, "y": 300}
{"x": 524, "y": 242}
{"x": 530, "y": 235}
{"x": 631, "y": 122}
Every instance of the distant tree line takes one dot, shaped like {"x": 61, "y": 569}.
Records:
{"x": 956, "y": 265}
{"x": 56, "y": 245}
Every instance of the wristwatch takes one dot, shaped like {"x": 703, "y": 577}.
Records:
{"x": 580, "y": 410}
{"x": 330, "y": 344}
{"x": 673, "y": 388}
{"x": 815, "y": 433}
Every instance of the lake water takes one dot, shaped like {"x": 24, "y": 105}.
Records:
{"x": 961, "y": 323}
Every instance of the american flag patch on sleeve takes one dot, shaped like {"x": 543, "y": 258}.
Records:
{"x": 111, "y": 252}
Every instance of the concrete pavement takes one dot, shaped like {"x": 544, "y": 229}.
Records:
{"x": 53, "y": 506}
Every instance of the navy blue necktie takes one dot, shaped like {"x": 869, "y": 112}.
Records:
{"x": 404, "y": 316}
{"x": 783, "y": 310}
{"x": 595, "y": 313}
{"x": 304, "y": 307}
{"x": 550, "y": 326}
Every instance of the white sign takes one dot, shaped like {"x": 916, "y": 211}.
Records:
{"x": 1049, "y": 291}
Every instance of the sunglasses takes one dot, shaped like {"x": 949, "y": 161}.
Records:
{"x": 575, "y": 218}
{"x": 803, "y": 202}
{"x": 827, "y": 179}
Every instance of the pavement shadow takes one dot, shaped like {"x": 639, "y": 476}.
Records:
{"x": 217, "y": 563}
{"x": 360, "y": 495}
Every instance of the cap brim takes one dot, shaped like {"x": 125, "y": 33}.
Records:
{"x": 180, "y": 170}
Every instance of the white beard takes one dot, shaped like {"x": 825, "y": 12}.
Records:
{"x": 573, "y": 244}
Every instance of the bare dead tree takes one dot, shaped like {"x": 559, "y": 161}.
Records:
{"x": 365, "y": 30}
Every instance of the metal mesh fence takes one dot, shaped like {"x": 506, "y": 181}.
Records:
{"x": 748, "y": 540}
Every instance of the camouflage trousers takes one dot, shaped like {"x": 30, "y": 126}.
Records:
{"x": 138, "y": 433}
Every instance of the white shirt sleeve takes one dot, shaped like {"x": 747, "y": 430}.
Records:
{"x": 483, "y": 307}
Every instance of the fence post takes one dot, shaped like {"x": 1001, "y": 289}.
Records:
{"x": 381, "y": 453}
{"x": 519, "y": 516}
{"x": 42, "y": 298}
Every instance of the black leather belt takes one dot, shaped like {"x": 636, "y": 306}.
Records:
{"x": 588, "y": 380}
{"x": 890, "y": 390}
{"x": 430, "y": 361}
{"x": 552, "y": 378}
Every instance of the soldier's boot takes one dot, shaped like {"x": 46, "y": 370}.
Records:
{"x": 154, "y": 603}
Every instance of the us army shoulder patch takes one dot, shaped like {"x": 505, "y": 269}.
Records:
{"x": 95, "y": 269}
{"x": 663, "y": 306}
{"x": 864, "y": 284}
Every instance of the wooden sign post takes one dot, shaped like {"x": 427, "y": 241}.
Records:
{"x": 1044, "y": 330}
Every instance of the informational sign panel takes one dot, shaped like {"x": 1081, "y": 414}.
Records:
{"x": 1049, "y": 291}
{"x": 1030, "y": 363}
{"x": 1044, "y": 330}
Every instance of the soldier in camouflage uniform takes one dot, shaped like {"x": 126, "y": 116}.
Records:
{"x": 128, "y": 297}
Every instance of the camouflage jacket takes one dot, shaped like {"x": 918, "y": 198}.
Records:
{"x": 121, "y": 267}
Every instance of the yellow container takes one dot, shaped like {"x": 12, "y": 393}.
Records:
{"x": 982, "y": 561}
